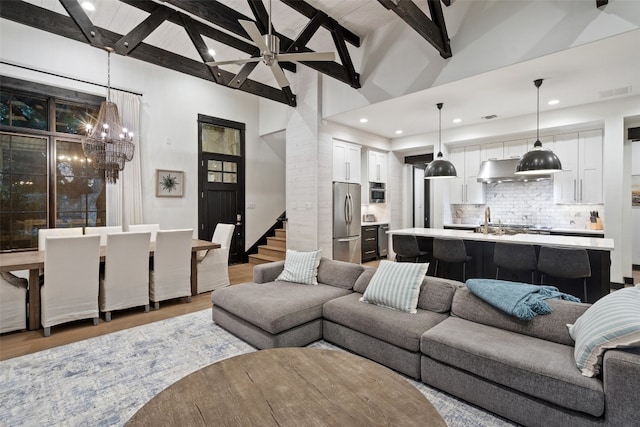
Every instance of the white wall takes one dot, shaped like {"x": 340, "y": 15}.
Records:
{"x": 171, "y": 103}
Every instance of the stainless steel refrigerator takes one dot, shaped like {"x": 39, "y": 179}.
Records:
{"x": 346, "y": 222}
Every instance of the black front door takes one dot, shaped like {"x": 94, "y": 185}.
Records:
{"x": 221, "y": 180}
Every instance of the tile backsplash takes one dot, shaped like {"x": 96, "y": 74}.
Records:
{"x": 529, "y": 203}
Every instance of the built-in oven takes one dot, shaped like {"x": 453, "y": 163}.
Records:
{"x": 377, "y": 192}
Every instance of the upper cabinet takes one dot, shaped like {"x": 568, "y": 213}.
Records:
{"x": 581, "y": 178}
{"x": 377, "y": 166}
{"x": 466, "y": 188}
{"x": 515, "y": 149}
{"x": 493, "y": 151}
{"x": 346, "y": 162}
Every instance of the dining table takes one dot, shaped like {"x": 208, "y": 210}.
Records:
{"x": 34, "y": 262}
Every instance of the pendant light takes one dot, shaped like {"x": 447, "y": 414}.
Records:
{"x": 440, "y": 168}
{"x": 539, "y": 160}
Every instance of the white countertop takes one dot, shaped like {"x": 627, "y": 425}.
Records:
{"x": 593, "y": 243}
{"x": 364, "y": 224}
{"x": 558, "y": 230}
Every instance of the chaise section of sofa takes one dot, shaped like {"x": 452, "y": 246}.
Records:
{"x": 269, "y": 313}
{"x": 387, "y": 336}
{"x": 522, "y": 370}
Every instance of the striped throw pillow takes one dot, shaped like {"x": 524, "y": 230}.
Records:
{"x": 300, "y": 267}
{"x": 611, "y": 322}
{"x": 396, "y": 285}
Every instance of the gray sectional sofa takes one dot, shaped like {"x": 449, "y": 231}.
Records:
{"x": 523, "y": 371}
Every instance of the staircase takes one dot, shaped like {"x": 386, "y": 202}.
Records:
{"x": 274, "y": 250}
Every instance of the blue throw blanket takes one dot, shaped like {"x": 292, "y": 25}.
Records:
{"x": 518, "y": 299}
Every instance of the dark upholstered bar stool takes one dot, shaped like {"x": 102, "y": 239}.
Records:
{"x": 407, "y": 250}
{"x": 565, "y": 264}
{"x": 516, "y": 258}
{"x": 451, "y": 251}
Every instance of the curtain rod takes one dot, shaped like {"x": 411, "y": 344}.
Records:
{"x": 67, "y": 77}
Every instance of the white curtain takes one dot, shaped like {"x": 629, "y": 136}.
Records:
{"x": 124, "y": 198}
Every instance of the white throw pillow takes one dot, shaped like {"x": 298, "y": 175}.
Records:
{"x": 396, "y": 285}
{"x": 300, "y": 267}
{"x": 611, "y": 322}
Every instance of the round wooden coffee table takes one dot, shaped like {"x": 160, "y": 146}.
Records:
{"x": 290, "y": 387}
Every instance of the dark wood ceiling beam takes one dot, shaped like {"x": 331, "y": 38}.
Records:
{"x": 345, "y": 58}
{"x": 261, "y": 15}
{"x": 40, "y": 18}
{"x": 202, "y": 48}
{"x": 428, "y": 29}
{"x": 308, "y": 32}
{"x": 239, "y": 79}
{"x": 446, "y": 2}
{"x": 309, "y": 11}
{"x": 437, "y": 16}
{"x": 80, "y": 18}
{"x": 601, "y": 3}
{"x": 130, "y": 41}
{"x": 227, "y": 18}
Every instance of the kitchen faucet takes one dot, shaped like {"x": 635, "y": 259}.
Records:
{"x": 487, "y": 220}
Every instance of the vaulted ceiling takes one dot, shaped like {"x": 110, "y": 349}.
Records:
{"x": 185, "y": 34}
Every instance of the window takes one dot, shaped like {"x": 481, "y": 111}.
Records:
{"x": 45, "y": 180}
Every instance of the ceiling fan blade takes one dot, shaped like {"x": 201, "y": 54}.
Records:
{"x": 279, "y": 75}
{"x": 307, "y": 56}
{"x": 251, "y": 29}
{"x": 233, "y": 61}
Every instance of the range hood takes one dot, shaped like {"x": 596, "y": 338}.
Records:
{"x": 504, "y": 171}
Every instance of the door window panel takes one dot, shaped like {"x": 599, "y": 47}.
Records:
{"x": 220, "y": 140}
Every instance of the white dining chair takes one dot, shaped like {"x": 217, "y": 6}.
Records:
{"x": 13, "y": 302}
{"x": 213, "y": 268}
{"x": 171, "y": 273}
{"x": 71, "y": 275}
{"x": 103, "y": 231}
{"x": 43, "y": 233}
{"x": 152, "y": 228}
{"x": 125, "y": 282}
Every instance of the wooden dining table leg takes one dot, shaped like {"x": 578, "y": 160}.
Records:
{"x": 34, "y": 299}
{"x": 194, "y": 273}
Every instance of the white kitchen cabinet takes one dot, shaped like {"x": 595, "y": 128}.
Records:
{"x": 516, "y": 148}
{"x": 346, "y": 162}
{"x": 492, "y": 151}
{"x": 377, "y": 166}
{"x": 465, "y": 189}
{"x": 581, "y": 178}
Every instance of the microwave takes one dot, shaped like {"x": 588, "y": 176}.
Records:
{"x": 377, "y": 192}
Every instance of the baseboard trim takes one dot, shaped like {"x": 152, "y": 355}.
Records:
{"x": 616, "y": 286}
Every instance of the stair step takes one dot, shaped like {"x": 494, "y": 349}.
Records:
{"x": 256, "y": 259}
{"x": 272, "y": 251}
{"x": 281, "y": 232}
{"x": 277, "y": 242}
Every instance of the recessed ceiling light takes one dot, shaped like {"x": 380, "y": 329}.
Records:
{"x": 364, "y": 120}
{"x": 399, "y": 132}
{"x": 212, "y": 52}
{"x": 87, "y": 5}
{"x": 554, "y": 102}
{"x": 457, "y": 120}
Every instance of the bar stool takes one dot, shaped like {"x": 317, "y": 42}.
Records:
{"x": 516, "y": 258}
{"x": 407, "y": 249}
{"x": 565, "y": 264}
{"x": 451, "y": 251}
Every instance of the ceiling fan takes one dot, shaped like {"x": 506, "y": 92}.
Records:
{"x": 269, "y": 45}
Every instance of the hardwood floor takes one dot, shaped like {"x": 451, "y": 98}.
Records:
{"x": 14, "y": 344}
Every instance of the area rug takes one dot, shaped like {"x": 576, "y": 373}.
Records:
{"x": 103, "y": 381}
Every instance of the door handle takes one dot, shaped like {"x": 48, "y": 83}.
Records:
{"x": 346, "y": 209}
{"x": 575, "y": 193}
{"x": 581, "y": 187}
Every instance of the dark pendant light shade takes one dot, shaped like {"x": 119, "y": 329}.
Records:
{"x": 539, "y": 160}
{"x": 440, "y": 168}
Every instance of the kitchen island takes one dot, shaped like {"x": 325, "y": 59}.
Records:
{"x": 480, "y": 247}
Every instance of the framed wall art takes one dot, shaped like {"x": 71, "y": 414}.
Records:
{"x": 169, "y": 183}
